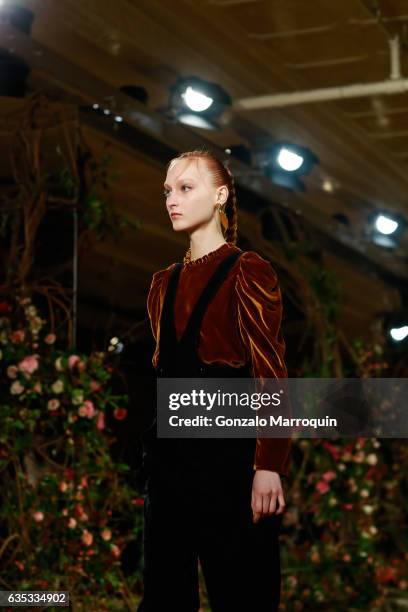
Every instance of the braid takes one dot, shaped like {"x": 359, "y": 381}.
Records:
{"x": 221, "y": 176}
{"x": 231, "y": 211}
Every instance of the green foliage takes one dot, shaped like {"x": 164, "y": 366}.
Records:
{"x": 66, "y": 506}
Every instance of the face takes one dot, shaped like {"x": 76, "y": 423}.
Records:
{"x": 190, "y": 195}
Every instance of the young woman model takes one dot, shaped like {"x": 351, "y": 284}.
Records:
{"x": 219, "y": 501}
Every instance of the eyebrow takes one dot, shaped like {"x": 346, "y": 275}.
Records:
{"x": 180, "y": 180}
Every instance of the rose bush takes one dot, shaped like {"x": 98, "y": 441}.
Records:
{"x": 67, "y": 509}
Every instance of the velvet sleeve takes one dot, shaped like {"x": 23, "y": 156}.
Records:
{"x": 259, "y": 320}
{"x": 155, "y": 300}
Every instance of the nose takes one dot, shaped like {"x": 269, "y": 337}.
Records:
{"x": 171, "y": 205}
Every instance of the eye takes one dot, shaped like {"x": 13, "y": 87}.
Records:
{"x": 167, "y": 191}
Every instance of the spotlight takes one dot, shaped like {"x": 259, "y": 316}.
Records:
{"x": 396, "y": 329}
{"x": 289, "y": 160}
{"x": 385, "y": 225}
{"x": 399, "y": 333}
{"x": 284, "y": 163}
{"x": 196, "y": 102}
{"x": 384, "y": 228}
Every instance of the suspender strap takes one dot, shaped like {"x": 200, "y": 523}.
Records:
{"x": 191, "y": 335}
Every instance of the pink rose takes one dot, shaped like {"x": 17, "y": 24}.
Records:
{"x": 29, "y": 364}
{"x": 95, "y": 386}
{"x": 90, "y": 409}
{"x": 16, "y": 388}
{"x": 84, "y": 481}
{"x": 322, "y": 486}
{"x": 53, "y": 404}
{"x": 82, "y": 410}
{"x": 106, "y": 534}
{"x": 72, "y": 361}
{"x": 81, "y": 365}
{"x": 37, "y": 387}
{"x": 72, "y": 523}
{"x": 17, "y": 336}
{"x": 100, "y": 421}
{"x": 64, "y": 511}
{"x": 63, "y": 486}
{"x": 328, "y": 476}
{"x": 38, "y": 516}
{"x": 50, "y": 338}
{"x": 12, "y": 371}
{"x": 87, "y": 537}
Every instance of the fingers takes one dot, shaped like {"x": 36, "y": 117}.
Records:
{"x": 281, "y": 501}
{"x": 257, "y": 505}
{"x": 266, "y": 505}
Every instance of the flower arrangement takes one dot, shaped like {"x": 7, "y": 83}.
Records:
{"x": 66, "y": 506}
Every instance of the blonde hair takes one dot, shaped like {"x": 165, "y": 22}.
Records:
{"x": 221, "y": 175}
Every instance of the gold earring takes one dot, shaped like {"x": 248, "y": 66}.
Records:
{"x": 223, "y": 218}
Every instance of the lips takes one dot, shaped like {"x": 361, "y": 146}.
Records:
{"x": 174, "y": 215}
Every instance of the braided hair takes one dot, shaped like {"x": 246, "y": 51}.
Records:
{"x": 221, "y": 175}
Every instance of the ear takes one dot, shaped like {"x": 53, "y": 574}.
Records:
{"x": 222, "y": 194}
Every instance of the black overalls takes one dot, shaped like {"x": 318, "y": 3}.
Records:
{"x": 198, "y": 495}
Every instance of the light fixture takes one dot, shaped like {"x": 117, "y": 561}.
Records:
{"x": 395, "y": 327}
{"x": 289, "y": 160}
{"x": 196, "y": 102}
{"x": 284, "y": 163}
{"x": 386, "y": 225}
{"x": 384, "y": 228}
{"x": 399, "y": 333}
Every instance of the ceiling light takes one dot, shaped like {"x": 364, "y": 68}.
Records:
{"x": 386, "y": 225}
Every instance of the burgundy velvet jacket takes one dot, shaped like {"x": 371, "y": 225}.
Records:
{"x": 242, "y": 324}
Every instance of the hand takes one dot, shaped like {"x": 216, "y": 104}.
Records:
{"x": 266, "y": 490}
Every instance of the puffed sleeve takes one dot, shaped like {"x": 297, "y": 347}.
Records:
{"x": 155, "y": 301}
{"x": 259, "y": 320}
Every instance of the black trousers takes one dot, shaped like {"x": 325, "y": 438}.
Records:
{"x": 198, "y": 507}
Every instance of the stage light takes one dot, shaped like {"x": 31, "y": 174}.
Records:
{"x": 197, "y": 102}
{"x": 395, "y": 328}
{"x": 386, "y": 225}
{"x": 118, "y": 119}
{"x": 399, "y": 333}
{"x": 384, "y": 228}
{"x": 284, "y": 163}
{"x": 289, "y": 160}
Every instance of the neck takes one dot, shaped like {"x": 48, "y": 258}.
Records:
{"x": 202, "y": 246}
